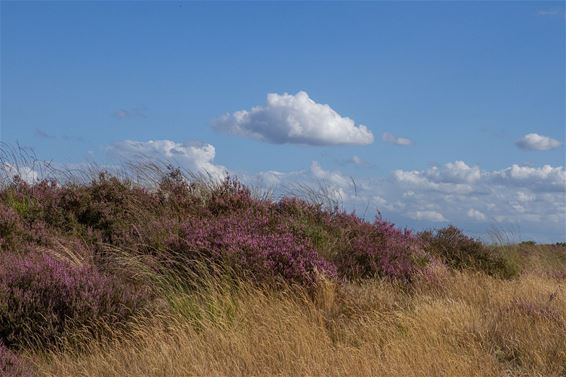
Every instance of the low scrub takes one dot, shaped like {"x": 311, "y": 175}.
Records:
{"x": 377, "y": 249}
{"x": 264, "y": 252}
{"x": 461, "y": 252}
{"x": 43, "y": 299}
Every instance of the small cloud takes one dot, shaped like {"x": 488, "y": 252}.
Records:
{"x": 357, "y": 161}
{"x": 294, "y": 119}
{"x": 43, "y": 134}
{"x": 476, "y": 215}
{"x": 121, "y": 114}
{"x": 392, "y": 139}
{"x": 428, "y": 216}
{"x": 73, "y": 138}
{"x": 544, "y": 13}
{"x": 135, "y": 112}
{"x": 554, "y": 13}
{"x": 536, "y": 142}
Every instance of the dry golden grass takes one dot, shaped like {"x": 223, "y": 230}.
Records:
{"x": 452, "y": 324}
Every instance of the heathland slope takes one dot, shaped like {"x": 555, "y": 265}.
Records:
{"x": 193, "y": 278}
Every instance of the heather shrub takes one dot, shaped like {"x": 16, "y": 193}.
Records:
{"x": 250, "y": 244}
{"x": 43, "y": 299}
{"x": 102, "y": 211}
{"x": 11, "y": 229}
{"x": 204, "y": 197}
{"x": 359, "y": 249}
{"x": 309, "y": 221}
{"x": 230, "y": 196}
{"x": 175, "y": 193}
{"x": 11, "y": 365}
{"x": 461, "y": 252}
{"x": 377, "y": 249}
{"x": 17, "y": 229}
{"x": 17, "y": 198}
{"x": 107, "y": 205}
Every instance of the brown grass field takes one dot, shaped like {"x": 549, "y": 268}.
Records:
{"x": 449, "y": 324}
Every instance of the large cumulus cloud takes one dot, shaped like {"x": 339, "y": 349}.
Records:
{"x": 296, "y": 119}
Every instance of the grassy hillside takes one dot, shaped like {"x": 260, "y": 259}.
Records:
{"x": 193, "y": 278}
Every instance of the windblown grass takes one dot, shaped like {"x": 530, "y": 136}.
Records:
{"x": 466, "y": 325}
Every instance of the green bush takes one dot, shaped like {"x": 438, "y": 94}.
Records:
{"x": 461, "y": 252}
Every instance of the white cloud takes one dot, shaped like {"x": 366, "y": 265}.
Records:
{"x": 547, "y": 12}
{"x": 270, "y": 178}
{"x": 335, "y": 178}
{"x": 134, "y": 112}
{"x": 392, "y": 139}
{"x": 198, "y": 158}
{"x": 545, "y": 178}
{"x": 296, "y": 119}
{"x": 531, "y": 198}
{"x": 11, "y": 171}
{"x": 457, "y": 172}
{"x": 476, "y": 215}
{"x": 453, "y": 177}
{"x": 357, "y": 160}
{"x": 433, "y": 216}
{"x": 536, "y": 142}
{"x": 336, "y": 184}
{"x": 523, "y": 196}
{"x": 551, "y": 13}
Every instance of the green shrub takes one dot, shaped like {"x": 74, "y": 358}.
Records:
{"x": 461, "y": 252}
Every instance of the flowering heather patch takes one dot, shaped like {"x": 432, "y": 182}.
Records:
{"x": 42, "y": 299}
{"x": 359, "y": 249}
{"x": 377, "y": 249}
{"x": 289, "y": 239}
{"x": 11, "y": 365}
{"x": 249, "y": 243}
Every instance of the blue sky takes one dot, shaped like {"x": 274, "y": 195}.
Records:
{"x": 458, "y": 82}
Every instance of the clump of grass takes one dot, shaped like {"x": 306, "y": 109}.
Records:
{"x": 474, "y": 325}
